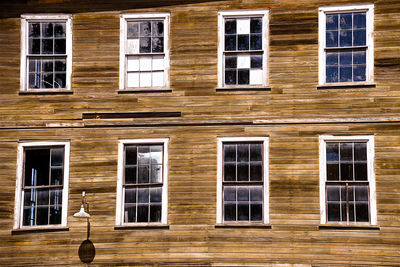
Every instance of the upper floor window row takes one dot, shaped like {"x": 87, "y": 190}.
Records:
{"x": 345, "y": 49}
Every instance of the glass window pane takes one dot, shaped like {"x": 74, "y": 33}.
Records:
{"x": 333, "y": 212}
{"x": 55, "y": 215}
{"x": 34, "y": 30}
{"x": 143, "y": 174}
{"x": 60, "y": 80}
{"x": 59, "y": 30}
{"x": 332, "y": 151}
{"x": 57, "y": 156}
{"x": 60, "y": 65}
{"x": 56, "y": 197}
{"x": 230, "y": 43}
{"x": 156, "y": 173}
{"x": 255, "y": 42}
{"x": 346, "y": 151}
{"x": 229, "y": 153}
{"x": 59, "y": 46}
{"x": 229, "y": 171}
{"x": 130, "y": 195}
{"x": 243, "y": 76}
{"x": 130, "y": 175}
{"x": 155, "y": 195}
{"x": 34, "y": 80}
{"x": 359, "y": 73}
{"x": 230, "y": 62}
{"x": 333, "y": 193}
{"x": 359, "y": 21}
{"x": 361, "y": 193}
{"x": 256, "y": 193}
{"x": 143, "y": 195}
{"x": 243, "y": 153}
{"x": 37, "y": 165}
{"x": 132, "y": 29}
{"x": 229, "y": 212}
{"x": 29, "y": 216}
{"x": 145, "y": 45}
{"x": 34, "y": 46}
{"x": 362, "y": 212}
{"x": 332, "y": 74}
{"x": 351, "y": 211}
{"x": 157, "y": 28}
{"x": 256, "y": 212}
{"x": 256, "y": 62}
{"x": 359, "y": 37}
{"x": 243, "y": 172}
{"x": 47, "y": 65}
{"x": 255, "y": 25}
{"x": 359, "y": 57}
{"x": 42, "y": 214}
{"x": 43, "y": 197}
{"x": 230, "y": 26}
{"x": 346, "y": 171}
{"x": 130, "y": 213}
{"x": 332, "y": 172}
{"x": 229, "y": 193}
{"x": 145, "y": 28}
{"x": 157, "y": 44}
{"x": 47, "y": 81}
{"x": 130, "y": 155}
{"x": 47, "y": 29}
{"x": 346, "y": 21}
{"x": 243, "y": 212}
{"x": 361, "y": 172}
{"x": 47, "y": 46}
{"x": 256, "y": 171}
{"x": 360, "y": 151}
{"x": 142, "y": 213}
{"x": 35, "y": 65}
{"x": 57, "y": 176}
{"x": 155, "y": 213}
{"x": 29, "y": 197}
{"x": 346, "y": 58}
{"x": 332, "y": 58}
{"x": 243, "y": 193}
{"x": 144, "y": 154}
{"x": 332, "y": 22}
{"x": 345, "y": 74}
{"x": 230, "y": 77}
{"x": 156, "y": 154}
{"x": 243, "y": 42}
{"x": 332, "y": 39}
{"x": 345, "y": 38}
{"x": 256, "y": 152}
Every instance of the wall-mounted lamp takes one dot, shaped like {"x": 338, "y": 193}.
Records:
{"x": 82, "y": 213}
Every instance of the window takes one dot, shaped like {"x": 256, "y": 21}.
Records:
{"x": 346, "y": 44}
{"x": 144, "y": 55}
{"x": 46, "y": 56}
{"x": 347, "y": 180}
{"x": 142, "y": 182}
{"x": 42, "y": 184}
{"x": 243, "y": 49}
{"x": 242, "y": 190}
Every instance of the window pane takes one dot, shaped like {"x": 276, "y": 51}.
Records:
{"x": 59, "y": 30}
{"x": 47, "y": 81}
{"x": 359, "y": 73}
{"x": 230, "y": 43}
{"x": 359, "y": 20}
{"x": 362, "y": 212}
{"x": 42, "y": 214}
{"x": 243, "y": 76}
{"x": 157, "y": 28}
{"x": 361, "y": 193}
{"x": 130, "y": 195}
{"x": 29, "y": 216}
{"x": 255, "y": 42}
{"x": 34, "y": 46}
{"x": 243, "y": 172}
{"x": 143, "y": 195}
{"x": 142, "y": 213}
{"x": 155, "y": 194}
{"x": 229, "y": 212}
{"x": 230, "y": 77}
{"x": 332, "y": 172}
{"x": 346, "y": 21}
{"x": 156, "y": 174}
{"x": 55, "y": 215}
{"x": 57, "y": 176}
{"x": 145, "y": 28}
{"x": 57, "y": 156}
{"x": 333, "y": 193}
{"x": 37, "y": 165}
{"x": 361, "y": 172}
{"x": 230, "y": 62}
{"x": 130, "y": 175}
{"x": 229, "y": 153}
{"x": 256, "y": 62}
{"x": 332, "y": 151}
{"x": 43, "y": 197}
{"x": 345, "y": 38}
{"x": 332, "y": 58}
{"x": 132, "y": 29}
{"x": 256, "y": 193}
{"x": 243, "y": 42}
{"x": 229, "y": 171}
{"x": 130, "y": 155}
{"x": 56, "y": 197}
{"x": 130, "y": 213}
{"x": 345, "y": 74}
{"x": 47, "y": 29}
{"x": 256, "y": 152}
{"x": 47, "y": 65}
{"x": 59, "y": 46}
{"x": 229, "y": 193}
{"x": 34, "y": 80}
{"x": 157, "y": 44}
{"x": 155, "y": 213}
{"x": 230, "y": 26}
{"x": 47, "y": 46}
{"x": 256, "y": 171}
{"x": 145, "y": 45}
{"x": 156, "y": 154}
{"x": 346, "y": 151}
{"x": 243, "y": 212}
{"x": 332, "y": 22}
{"x": 351, "y": 211}
{"x": 256, "y": 25}
{"x": 359, "y": 37}
{"x": 243, "y": 153}
{"x": 346, "y": 171}
{"x": 359, "y": 57}
{"x": 332, "y": 74}
{"x": 256, "y": 212}
{"x": 143, "y": 174}
{"x": 332, "y": 39}
{"x": 243, "y": 193}
{"x": 29, "y": 197}
{"x": 333, "y": 212}
{"x": 346, "y": 58}
{"x": 34, "y": 29}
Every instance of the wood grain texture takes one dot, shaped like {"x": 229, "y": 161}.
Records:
{"x": 293, "y": 114}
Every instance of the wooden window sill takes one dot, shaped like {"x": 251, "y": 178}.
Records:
{"x": 233, "y": 89}
{"x": 346, "y": 85}
{"x": 141, "y": 226}
{"x": 39, "y": 229}
{"x": 347, "y": 227}
{"x": 144, "y": 90}
{"x": 46, "y": 92}
{"x": 247, "y": 225}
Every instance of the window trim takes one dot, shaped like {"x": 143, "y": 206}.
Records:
{"x": 124, "y": 18}
{"x": 369, "y": 71}
{"x": 220, "y": 142}
{"x": 265, "y": 38}
{"x": 18, "y": 207}
{"x": 369, "y": 139}
{"x": 120, "y": 181}
{"x": 25, "y": 19}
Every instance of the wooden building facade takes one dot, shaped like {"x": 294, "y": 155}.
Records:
{"x": 204, "y": 133}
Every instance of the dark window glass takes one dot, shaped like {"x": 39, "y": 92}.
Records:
{"x": 255, "y": 25}
{"x": 359, "y": 37}
{"x": 230, "y": 77}
{"x": 331, "y": 38}
{"x": 230, "y": 26}
{"x": 332, "y": 58}
{"x": 359, "y": 21}
{"x": 243, "y": 42}
{"x": 145, "y": 28}
{"x": 230, "y": 43}
{"x": 346, "y": 21}
{"x": 59, "y": 30}
{"x": 332, "y": 22}
{"x": 231, "y": 62}
{"x": 157, "y": 44}
{"x": 34, "y": 29}
{"x": 243, "y": 76}
{"x": 59, "y": 46}
{"x": 145, "y": 45}
{"x": 256, "y": 42}
{"x": 332, "y": 74}
{"x": 256, "y": 62}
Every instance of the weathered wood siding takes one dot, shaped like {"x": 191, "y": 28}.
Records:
{"x": 206, "y": 114}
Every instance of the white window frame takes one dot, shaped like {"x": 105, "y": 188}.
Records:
{"x": 222, "y": 15}
{"x": 120, "y": 180}
{"x": 220, "y": 167}
{"x": 18, "y": 208}
{"x": 124, "y": 18}
{"x": 369, "y": 139}
{"x": 25, "y": 19}
{"x": 323, "y": 11}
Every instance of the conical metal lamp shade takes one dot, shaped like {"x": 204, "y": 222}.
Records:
{"x": 82, "y": 213}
